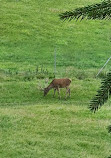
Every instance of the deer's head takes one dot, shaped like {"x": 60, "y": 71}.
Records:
{"x": 40, "y": 86}
{"x": 45, "y": 91}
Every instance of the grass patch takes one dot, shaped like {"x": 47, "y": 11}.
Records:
{"x": 54, "y": 131}
{"x": 28, "y": 92}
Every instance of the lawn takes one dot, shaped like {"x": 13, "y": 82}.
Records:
{"x": 32, "y": 125}
{"x": 52, "y": 131}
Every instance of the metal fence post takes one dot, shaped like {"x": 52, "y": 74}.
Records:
{"x": 55, "y": 62}
{"x": 103, "y": 66}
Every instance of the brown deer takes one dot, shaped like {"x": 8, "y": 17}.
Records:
{"x": 56, "y": 84}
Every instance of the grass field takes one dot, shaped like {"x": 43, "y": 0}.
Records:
{"x": 31, "y": 30}
{"x": 33, "y": 126}
{"x": 56, "y": 130}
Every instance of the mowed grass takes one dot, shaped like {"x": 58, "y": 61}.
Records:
{"x": 32, "y": 125}
{"x": 14, "y": 93}
{"x": 52, "y": 131}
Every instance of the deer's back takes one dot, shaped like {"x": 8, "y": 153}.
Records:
{"x": 61, "y": 83}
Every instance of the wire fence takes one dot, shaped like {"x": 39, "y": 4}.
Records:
{"x": 41, "y": 73}
{"x": 23, "y": 88}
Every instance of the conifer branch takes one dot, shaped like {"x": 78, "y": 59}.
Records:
{"x": 102, "y": 94}
{"x": 97, "y": 11}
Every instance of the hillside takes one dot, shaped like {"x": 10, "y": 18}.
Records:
{"x": 31, "y": 30}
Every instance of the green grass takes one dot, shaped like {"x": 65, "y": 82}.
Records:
{"x": 30, "y": 31}
{"x": 29, "y": 92}
{"x": 51, "y": 131}
{"x": 33, "y": 126}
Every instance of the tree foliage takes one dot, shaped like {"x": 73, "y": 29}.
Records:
{"x": 96, "y": 11}
{"x": 102, "y": 94}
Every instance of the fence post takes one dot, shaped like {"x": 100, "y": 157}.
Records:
{"x": 103, "y": 66}
{"x": 55, "y": 62}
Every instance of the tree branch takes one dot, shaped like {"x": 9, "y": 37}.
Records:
{"x": 97, "y": 11}
{"x": 102, "y": 94}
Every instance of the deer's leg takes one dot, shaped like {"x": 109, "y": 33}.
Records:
{"x": 67, "y": 91}
{"x": 58, "y": 92}
{"x": 54, "y": 92}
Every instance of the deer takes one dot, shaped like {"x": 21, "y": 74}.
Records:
{"x": 56, "y": 84}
